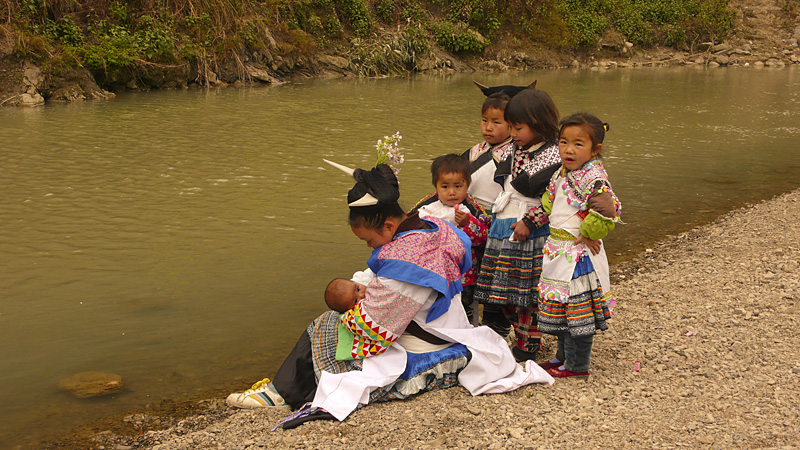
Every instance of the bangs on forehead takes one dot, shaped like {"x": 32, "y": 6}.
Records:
{"x": 497, "y": 102}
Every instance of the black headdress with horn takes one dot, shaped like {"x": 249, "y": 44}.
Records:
{"x": 505, "y": 89}
{"x": 378, "y": 185}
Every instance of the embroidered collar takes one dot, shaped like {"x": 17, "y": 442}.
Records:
{"x": 582, "y": 180}
{"x": 582, "y": 183}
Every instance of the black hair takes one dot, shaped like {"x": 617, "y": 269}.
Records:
{"x": 535, "y": 108}
{"x": 333, "y": 293}
{"x": 381, "y": 183}
{"x": 594, "y": 127}
{"x": 450, "y": 163}
{"x": 498, "y": 100}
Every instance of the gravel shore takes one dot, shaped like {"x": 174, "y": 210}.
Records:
{"x": 711, "y": 315}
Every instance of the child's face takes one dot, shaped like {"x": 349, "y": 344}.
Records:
{"x": 351, "y": 293}
{"x": 524, "y": 136}
{"x": 575, "y": 147}
{"x": 342, "y": 295}
{"x": 451, "y": 188}
{"x": 494, "y": 127}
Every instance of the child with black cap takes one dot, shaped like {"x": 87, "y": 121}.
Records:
{"x": 483, "y": 158}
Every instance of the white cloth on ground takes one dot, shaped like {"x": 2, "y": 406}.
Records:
{"x": 492, "y": 368}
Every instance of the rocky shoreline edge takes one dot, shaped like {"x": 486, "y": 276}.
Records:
{"x": 708, "y": 317}
{"x": 24, "y": 83}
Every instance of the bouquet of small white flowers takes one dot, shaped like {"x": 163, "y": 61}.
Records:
{"x": 389, "y": 153}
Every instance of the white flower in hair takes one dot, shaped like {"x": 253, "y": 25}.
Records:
{"x": 389, "y": 153}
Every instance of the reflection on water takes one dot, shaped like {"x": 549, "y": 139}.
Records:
{"x": 182, "y": 239}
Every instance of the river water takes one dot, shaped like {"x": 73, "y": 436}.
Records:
{"x": 182, "y": 239}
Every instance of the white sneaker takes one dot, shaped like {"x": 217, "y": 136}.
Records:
{"x": 261, "y": 395}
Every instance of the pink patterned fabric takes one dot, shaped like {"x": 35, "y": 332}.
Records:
{"x": 393, "y": 311}
{"x": 503, "y": 151}
{"x": 478, "y": 150}
{"x": 428, "y": 251}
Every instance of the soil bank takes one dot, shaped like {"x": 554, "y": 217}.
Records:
{"x": 761, "y": 37}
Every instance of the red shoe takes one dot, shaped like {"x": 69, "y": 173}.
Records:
{"x": 555, "y": 373}
{"x": 547, "y": 365}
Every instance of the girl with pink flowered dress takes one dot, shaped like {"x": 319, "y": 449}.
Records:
{"x": 574, "y": 284}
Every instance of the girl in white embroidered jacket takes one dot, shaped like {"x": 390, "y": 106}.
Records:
{"x": 575, "y": 299}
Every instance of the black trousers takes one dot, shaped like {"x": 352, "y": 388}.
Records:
{"x": 295, "y": 379}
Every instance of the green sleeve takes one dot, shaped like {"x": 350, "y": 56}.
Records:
{"x": 595, "y": 226}
{"x": 344, "y": 343}
{"x": 548, "y": 207}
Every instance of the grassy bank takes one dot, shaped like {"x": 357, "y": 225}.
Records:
{"x": 115, "y": 39}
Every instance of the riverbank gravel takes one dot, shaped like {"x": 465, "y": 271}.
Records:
{"x": 710, "y": 315}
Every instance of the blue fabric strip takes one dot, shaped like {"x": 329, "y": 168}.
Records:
{"x": 417, "y": 362}
{"x": 583, "y": 266}
{"x": 414, "y": 274}
{"x": 501, "y": 229}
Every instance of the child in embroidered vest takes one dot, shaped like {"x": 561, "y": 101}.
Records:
{"x": 451, "y": 178}
{"x": 509, "y": 275}
{"x": 574, "y": 284}
{"x": 483, "y": 158}
{"x": 342, "y": 294}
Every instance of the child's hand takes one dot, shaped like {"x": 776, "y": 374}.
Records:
{"x": 592, "y": 244}
{"x": 521, "y": 231}
{"x": 462, "y": 218}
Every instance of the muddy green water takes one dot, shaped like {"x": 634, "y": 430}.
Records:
{"x": 182, "y": 239}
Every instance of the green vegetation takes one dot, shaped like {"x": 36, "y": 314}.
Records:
{"x": 115, "y": 38}
{"x": 648, "y": 22}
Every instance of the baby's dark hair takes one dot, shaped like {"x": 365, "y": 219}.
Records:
{"x": 450, "y": 163}
{"x": 498, "y": 100}
{"x": 594, "y": 127}
{"x": 334, "y": 294}
{"x": 535, "y": 108}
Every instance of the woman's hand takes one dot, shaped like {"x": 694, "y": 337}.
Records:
{"x": 521, "y": 231}
{"x": 592, "y": 244}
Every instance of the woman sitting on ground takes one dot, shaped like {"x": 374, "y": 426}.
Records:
{"x": 408, "y": 327}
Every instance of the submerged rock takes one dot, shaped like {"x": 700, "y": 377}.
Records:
{"x": 91, "y": 384}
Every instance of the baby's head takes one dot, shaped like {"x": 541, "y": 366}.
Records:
{"x": 494, "y": 127}
{"x": 451, "y": 178}
{"x": 342, "y": 295}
